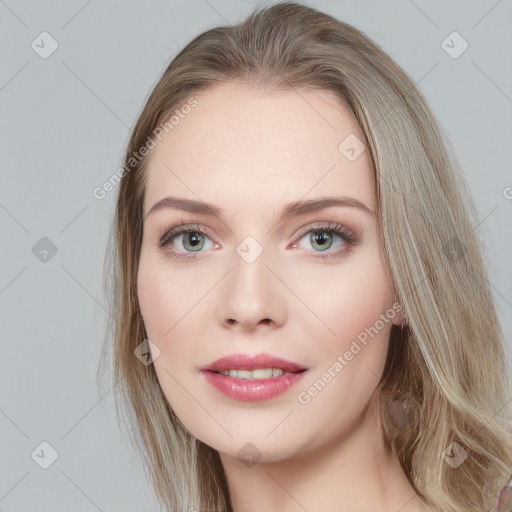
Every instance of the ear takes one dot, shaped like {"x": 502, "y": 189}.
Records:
{"x": 400, "y": 317}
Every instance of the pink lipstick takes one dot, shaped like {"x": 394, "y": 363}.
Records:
{"x": 251, "y": 378}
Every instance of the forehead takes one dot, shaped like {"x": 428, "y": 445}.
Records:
{"x": 240, "y": 145}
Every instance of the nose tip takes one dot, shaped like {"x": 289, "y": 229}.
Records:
{"x": 251, "y": 299}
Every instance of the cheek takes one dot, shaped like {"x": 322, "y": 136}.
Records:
{"x": 154, "y": 300}
{"x": 164, "y": 296}
{"x": 349, "y": 356}
{"x": 164, "y": 310}
{"x": 346, "y": 300}
{"x": 173, "y": 303}
{"x": 364, "y": 298}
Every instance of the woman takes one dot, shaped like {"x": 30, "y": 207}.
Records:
{"x": 302, "y": 317}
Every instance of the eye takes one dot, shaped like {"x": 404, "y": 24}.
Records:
{"x": 179, "y": 239}
{"x": 185, "y": 240}
{"x": 328, "y": 236}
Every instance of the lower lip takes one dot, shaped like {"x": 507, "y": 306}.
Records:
{"x": 253, "y": 390}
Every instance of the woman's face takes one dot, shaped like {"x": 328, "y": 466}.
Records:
{"x": 254, "y": 278}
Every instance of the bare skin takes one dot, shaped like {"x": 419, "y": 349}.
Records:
{"x": 250, "y": 152}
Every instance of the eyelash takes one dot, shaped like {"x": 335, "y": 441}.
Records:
{"x": 178, "y": 227}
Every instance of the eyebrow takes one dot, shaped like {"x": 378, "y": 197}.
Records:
{"x": 300, "y": 207}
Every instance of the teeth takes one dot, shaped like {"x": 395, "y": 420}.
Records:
{"x": 263, "y": 373}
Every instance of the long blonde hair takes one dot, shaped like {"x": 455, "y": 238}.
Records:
{"x": 448, "y": 364}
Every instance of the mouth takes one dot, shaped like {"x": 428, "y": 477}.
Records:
{"x": 255, "y": 366}
{"x": 251, "y": 378}
{"x": 259, "y": 373}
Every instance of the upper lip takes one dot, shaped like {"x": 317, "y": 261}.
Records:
{"x": 253, "y": 362}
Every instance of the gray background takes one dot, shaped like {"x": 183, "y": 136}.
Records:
{"x": 66, "y": 120}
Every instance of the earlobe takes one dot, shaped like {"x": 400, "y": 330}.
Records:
{"x": 399, "y": 318}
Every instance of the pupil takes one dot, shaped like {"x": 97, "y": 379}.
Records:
{"x": 194, "y": 240}
{"x": 321, "y": 238}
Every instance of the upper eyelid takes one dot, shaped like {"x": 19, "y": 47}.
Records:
{"x": 183, "y": 228}
{"x": 328, "y": 225}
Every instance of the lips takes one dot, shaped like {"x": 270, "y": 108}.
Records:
{"x": 254, "y": 390}
{"x": 253, "y": 362}
{"x": 246, "y": 377}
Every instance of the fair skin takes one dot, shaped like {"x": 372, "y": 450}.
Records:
{"x": 250, "y": 152}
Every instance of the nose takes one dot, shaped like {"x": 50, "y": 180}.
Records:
{"x": 252, "y": 297}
